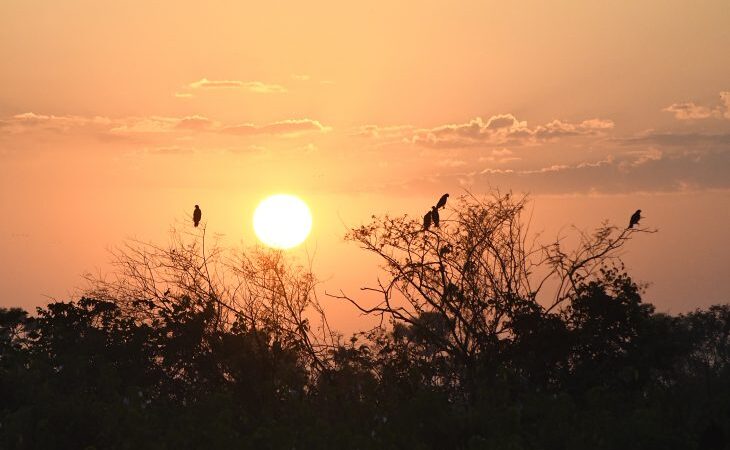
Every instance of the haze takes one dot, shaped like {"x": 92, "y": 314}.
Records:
{"x": 117, "y": 117}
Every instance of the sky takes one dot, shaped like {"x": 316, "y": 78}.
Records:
{"x": 117, "y": 117}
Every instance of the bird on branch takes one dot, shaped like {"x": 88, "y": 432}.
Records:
{"x": 427, "y": 221}
{"x": 635, "y": 218}
{"x": 197, "y": 215}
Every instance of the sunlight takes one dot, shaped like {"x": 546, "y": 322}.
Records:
{"x": 282, "y": 221}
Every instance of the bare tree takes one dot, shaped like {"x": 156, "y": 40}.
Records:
{"x": 463, "y": 283}
{"x": 257, "y": 289}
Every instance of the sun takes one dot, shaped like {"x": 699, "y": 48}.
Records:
{"x": 282, "y": 221}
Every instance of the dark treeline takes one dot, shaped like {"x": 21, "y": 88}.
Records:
{"x": 472, "y": 353}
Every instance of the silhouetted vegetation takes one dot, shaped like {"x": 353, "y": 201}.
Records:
{"x": 489, "y": 340}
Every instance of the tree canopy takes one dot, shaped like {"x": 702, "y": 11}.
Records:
{"x": 489, "y": 339}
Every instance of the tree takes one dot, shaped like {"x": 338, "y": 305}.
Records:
{"x": 258, "y": 290}
{"x": 476, "y": 282}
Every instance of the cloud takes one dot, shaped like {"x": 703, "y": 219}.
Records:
{"x": 195, "y": 123}
{"x": 645, "y": 157}
{"x": 693, "y": 111}
{"x": 649, "y": 170}
{"x": 382, "y": 132}
{"x": 29, "y": 123}
{"x": 284, "y": 128}
{"x": 500, "y": 156}
{"x": 688, "y": 111}
{"x": 684, "y": 140}
{"x": 725, "y": 98}
{"x": 251, "y": 86}
{"x": 151, "y": 124}
{"x": 452, "y": 163}
{"x": 505, "y": 129}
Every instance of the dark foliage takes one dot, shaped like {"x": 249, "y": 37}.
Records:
{"x": 491, "y": 343}
{"x": 607, "y": 373}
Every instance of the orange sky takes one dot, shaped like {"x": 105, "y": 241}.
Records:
{"x": 117, "y": 117}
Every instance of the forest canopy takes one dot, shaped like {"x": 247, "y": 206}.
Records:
{"x": 488, "y": 339}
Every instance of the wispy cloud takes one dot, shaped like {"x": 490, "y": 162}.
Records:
{"x": 24, "y": 122}
{"x": 684, "y": 140}
{"x": 689, "y": 111}
{"x": 28, "y": 123}
{"x": 251, "y": 86}
{"x": 292, "y": 127}
{"x": 383, "y": 132}
{"x": 500, "y": 156}
{"x": 694, "y": 111}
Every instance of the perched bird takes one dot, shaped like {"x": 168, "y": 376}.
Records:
{"x": 635, "y": 218}
{"x": 445, "y": 249}
{"x": 427, "y": 221}
{"x": 435, "y": 216}
{"x": 197, "y": 215}
{"x": 442, "y": 201}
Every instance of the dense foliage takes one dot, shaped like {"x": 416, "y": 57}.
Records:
{"x": 610, "y": 374}
{"x": 469, "y": 363}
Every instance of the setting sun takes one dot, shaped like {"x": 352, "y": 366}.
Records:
{"x": 282, "y": 221}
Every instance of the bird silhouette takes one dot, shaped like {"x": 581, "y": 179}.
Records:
{"x": 435, "y": 216}
{"x": 635, "y": 218}
{"x": 445, "y": 250}
{"x": 442, "y": 201}
{"x": 427, "y": 221}
{"x": 197, "y": 215}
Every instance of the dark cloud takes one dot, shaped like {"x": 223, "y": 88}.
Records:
{"x": 685, "y": 140}
{"x": 647, "y": 171}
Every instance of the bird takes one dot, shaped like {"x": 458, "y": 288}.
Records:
{"x": 197, "y": 215}
{"x": 427, "y": 221}
{"x": 442, "y": 201}
{"x": 435, "y": 216}
{"x": 445, "y": 249}
{"x": 635, "y": 218}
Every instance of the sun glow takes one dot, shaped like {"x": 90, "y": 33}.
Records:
{"x": 282, "y": 221}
